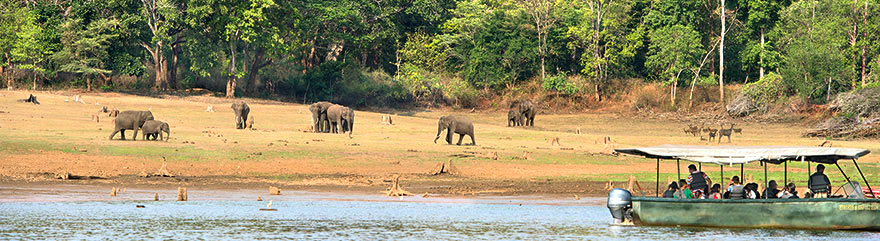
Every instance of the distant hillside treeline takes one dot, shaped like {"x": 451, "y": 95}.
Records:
{"x": 367, "y": 52}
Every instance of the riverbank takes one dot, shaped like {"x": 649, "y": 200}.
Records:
{"x": 563, "y": 154}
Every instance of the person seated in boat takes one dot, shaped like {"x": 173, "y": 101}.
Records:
{"x": 751, "y": 191}
{"x": 788, "y": 191}
{"x": 818, "y": 183}
{"x": 715, "y": 191}
{"x": 685, "y": 191}
{"x": 699, "y": 182}
{"x": 735, "y": 190}
{"x": 772, "y": 190}
{"x": 671, "y": 190}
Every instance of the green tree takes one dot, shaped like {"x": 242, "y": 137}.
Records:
{"x": 673, "y": 49}
{"x": 12, "y": 15}
{"x": 814, "y": 40}
{"x": 85, "y": 47}
{"x": 600, "y": 28}
{"x": 161, "y": 18}
{"x": 760, "y": 17}
{"x": 29, "y": 51}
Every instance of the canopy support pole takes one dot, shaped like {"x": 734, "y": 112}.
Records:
{"x": 864, "y": 179}
{"x": 808, "y": 170}
{"x": 765, "y": 179}
{"x": 722, "y": 173}
{"x": 844, "y": 176}
{"x": 657, "y": 187}
{"x": 678, "y": 168}
{"x": 700, "y": 166}
{"x": 742, "y": 174}
{"x": 785, "y": 179}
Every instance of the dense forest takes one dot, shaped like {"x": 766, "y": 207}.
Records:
{"x": 382, "y": 52}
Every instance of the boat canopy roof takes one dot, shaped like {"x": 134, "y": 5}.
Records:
{"x": 746, "y": 154}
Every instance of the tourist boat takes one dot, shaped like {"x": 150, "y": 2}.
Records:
{"x": 850, "y": 212}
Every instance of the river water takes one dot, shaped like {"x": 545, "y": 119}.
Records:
{"x": 44, "y": 214}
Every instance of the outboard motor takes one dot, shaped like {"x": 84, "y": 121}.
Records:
{"x": 620, "y": 204}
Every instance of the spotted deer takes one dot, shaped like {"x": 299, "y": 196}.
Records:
{"x": 725, "y": 132}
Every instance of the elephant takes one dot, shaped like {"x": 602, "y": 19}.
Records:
{"x": 241, "y": 113}
{"x": 528, "y": 111}
{"x": 319, "y": 116}
{"x": 514, "y": 118}
{"x": 130, "y": 120}
{"x": 343, "y": 116}
{"x": 455, "y": 125}
{"x": 154, "y": 129}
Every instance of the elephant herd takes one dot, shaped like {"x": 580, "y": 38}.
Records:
{"x": 153, "y": 129}
{"x": 143, "y": 120}
{"x": 326, "y": 118}
{"x": 522, "y": 113}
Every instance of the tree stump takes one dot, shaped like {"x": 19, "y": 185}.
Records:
{"x": 396, "y": 190}
{"x": 526, "y": 156}
{"x": 31, "y": 99}
{"x": 63, "y": 175}
{"x": 555, "y": 141}
{"x": 156, "y": 196}
{"x": 577, "y": 131}
{"x": 444, "y": 168}
{"x": 630, "y": 183}
{"x": 274, "y": 190}
{"x": 181, "y": 194}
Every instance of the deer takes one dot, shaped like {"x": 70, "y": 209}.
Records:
{"x": 725, "y": 132}
{"x": 712, "y": 135}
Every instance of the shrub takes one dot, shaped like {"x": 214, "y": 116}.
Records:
{"x": 561, "y": 84}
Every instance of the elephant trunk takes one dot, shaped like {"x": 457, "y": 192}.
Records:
{"x": 439, "y": 130}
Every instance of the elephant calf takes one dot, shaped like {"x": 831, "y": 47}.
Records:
{"x": 460, "y": 125}
{"x": 153, "y": 128}
{"x": 514, "y": 118}
{"x": 130, "y": 120}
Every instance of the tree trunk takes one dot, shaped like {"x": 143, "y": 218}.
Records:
{"x": 828, "y": 94}
{"x": 8, "y": 78}
{"x": 230, "y": 80}
{"x": 251, "y": 87}
{"x": 88, "y": 83}
{"x": 35, "y": 75}
{"x": 543, "y": 72}
{"x": 853, "y": 39}
{"x": 721, "y": 56}
{"x": 172, "y": 67}
{"x": 865, "y": 36}
{"x": 761, "y": 56}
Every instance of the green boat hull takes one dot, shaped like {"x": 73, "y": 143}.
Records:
{"x": 840, "y": 214}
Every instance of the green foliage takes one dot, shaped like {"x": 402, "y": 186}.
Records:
{"x": 490, "y": 46}
{"x": 561, "y": 84}
{"x": 447, "y": 51}
{"x": 766, "y": 90}
{"x": 85, "y": 48}
{"x": 673, "y": 50}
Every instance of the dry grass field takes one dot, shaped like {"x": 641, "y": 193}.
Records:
{"x": 59, "y": 136}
